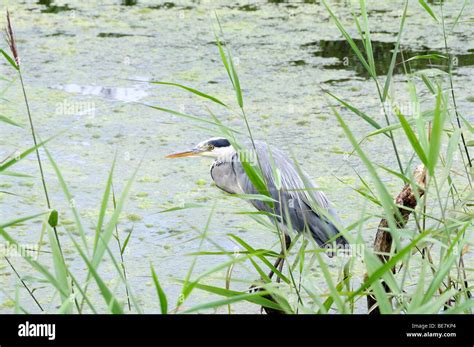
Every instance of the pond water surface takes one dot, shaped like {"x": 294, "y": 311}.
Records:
{"x": 83, "y": 65}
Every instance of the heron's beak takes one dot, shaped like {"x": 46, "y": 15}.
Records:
{"x": 192, "y": 153}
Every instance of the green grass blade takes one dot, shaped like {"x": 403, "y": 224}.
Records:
{"x": 436, "y": 132}
{"x": 456, "y": 21}
{"x": 69, "y": 198}
{"x": 329, "y": 282}
{"x": 188, "y": 285}
{"x": 21, "y": 220}
{"x": 434, "y": 306}
{"x": 25, "y": 153}
{"x": 428, "y": 9}
{"x": 359, "y": 113}
{"x": 35, "y": 264}
{"x": 384, "y": 130}
{"x": 232, "y": 297}
{"x": 445, "y": 265}
{"x": 330, "y": 300}
{"x": 417, "y": 297}
{"x": 224, "y": 60}
{"x": 192, "y": 90}
{"x": 104, "y": 203}
{"x": 349, "y": 40}
{"x": 452, "y": 147}
{"x": 112, "y": 303}
{"x": 9, "y": 59}
{"x": 15, "y": 174}
{"x": 61, "y": 271}
{"x": 251, "y": 251}
{"x": 185, "y": 206}
{"x": 235, "y": 77}
{"x": 160, "y": 292}
{"x": 412, "y": 138}
{"x": 368, "y": 42}
{"x": 106, "y": 235}
{"x": 433, "y": 56}
{"x": 125, "y": 243}
{"x": 388, "y": 79}
{"x": 7, "y": 120}
{"x": 384, "y": 196}
{"x": 388, "y": 265}
{"x": 183, "y": 115}
{"x": 428, "y": 84}
{"x": 381, "y": 297}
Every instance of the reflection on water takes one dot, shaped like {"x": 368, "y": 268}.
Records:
{"x": 60, "y": 33}
{"x": 52, "y": 8}
{"x": 129, "y": 2}
{"x": 114, "y": 35}
{"x": 248, "y": 8}
{"x": 280, "y": 77}
{"x": 126, "y": 94}
{"x": 165, "y": 5}
{"x": 383, "y": 51}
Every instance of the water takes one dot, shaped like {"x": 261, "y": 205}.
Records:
{"x": 81, "y": 64}
{"x": 383, "y": 51}
{"x": 125, "y": 94}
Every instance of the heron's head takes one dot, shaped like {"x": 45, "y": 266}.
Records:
{"x": 216, "y": 147}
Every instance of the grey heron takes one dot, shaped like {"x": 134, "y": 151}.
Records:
{"x": 299, "y": 204}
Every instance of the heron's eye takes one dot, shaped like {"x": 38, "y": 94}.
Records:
{"x": 210, "y": 147}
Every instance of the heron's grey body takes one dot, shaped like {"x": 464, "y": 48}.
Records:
{"x": 299, "y": 204}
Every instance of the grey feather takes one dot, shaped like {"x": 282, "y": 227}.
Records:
{"x": 299, "y": 203}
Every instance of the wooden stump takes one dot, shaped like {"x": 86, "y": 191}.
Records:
{"x": 383, "y": 239}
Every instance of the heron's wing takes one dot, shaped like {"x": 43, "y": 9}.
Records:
{"x": 299, "y": 203}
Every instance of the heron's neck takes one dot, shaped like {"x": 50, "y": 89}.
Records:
{"x": 224, "y": 154}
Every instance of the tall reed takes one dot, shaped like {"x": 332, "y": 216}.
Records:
{"x": 429, "y": 251}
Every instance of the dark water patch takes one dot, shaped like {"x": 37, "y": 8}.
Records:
{"x": 113, "y": 35}
{"x": 341, "y": 80}
{"x": 214, "y": 43}
{"x": 248, "y": 8}
{"x": 384, "y": 32}
{"x": 165, "y": 6}
{"x": 129, "y": 2}
{"x": 377, "y": 11}
{"x": 287, "y": 4}
{"x": 57, "y": 9}
{"x": 60, "y": 33}
{"x": 383, "y": 51}
{"x": 119, "y": 35}
{"x": 50, "y": 7}
{"x": 298, "y": 62}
